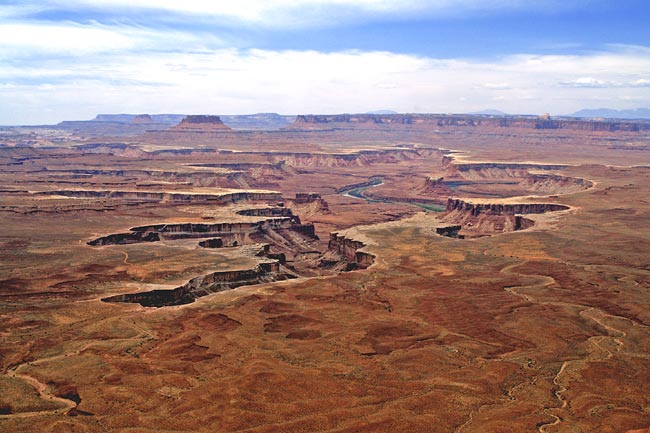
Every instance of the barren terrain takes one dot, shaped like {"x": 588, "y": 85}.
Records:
{"x": 332, "y": 276}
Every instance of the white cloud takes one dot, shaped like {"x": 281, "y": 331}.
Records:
{"x": 24, "y": 39}
{"x": 495, "y": 86}
{"x": 586, "y": 82}
{"x": 76, "y": 70}
{"x": 57, "y": 38}
{"x": 292, "y": 13}
{"x": 245, "y": 81}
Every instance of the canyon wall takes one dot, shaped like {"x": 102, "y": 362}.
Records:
{"x": 270, "y": 212}
{"x": 498, "y": 209}
{"x": 234, "y": 233}
{"x": 224, "y": 198}
{"x": 350, "y": 250}
{"x": 264, "y": 272}
{"x": 479, "y": 219}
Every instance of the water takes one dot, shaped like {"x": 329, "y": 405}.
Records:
{"x": 359, "y": 193}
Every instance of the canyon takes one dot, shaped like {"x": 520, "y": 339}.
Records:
{"x": 334, "y": 273}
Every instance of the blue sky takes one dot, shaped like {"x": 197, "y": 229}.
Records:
{"x": 71, "y": 59}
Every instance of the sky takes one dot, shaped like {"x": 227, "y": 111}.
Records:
{"x": 72, "y": 59}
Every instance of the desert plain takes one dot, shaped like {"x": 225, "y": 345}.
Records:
{"x": 396, "y": 273}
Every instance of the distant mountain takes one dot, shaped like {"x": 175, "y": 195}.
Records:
{"x": 490, "y": 112}
{"x": 381, "y": 112}
{"x": 259, "y": 121}
{"x": 609, "y": 113}
{"x": 172, "y": 119}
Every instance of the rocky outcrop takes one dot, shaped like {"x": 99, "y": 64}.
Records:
{"x": 496, "y": 170}
{"x": 265, "y": 272}
{"x": 476, "y": 209}
{"x": 224, "y": 198}
{"x": 511, "y": 179}
{"x": 305, "y": 229}
{"x": 231, "y": 233}
{"x": 449, "y": 231}
{"x": 252, "y": 196}
{"x": 304, "y": 197}
{"x": 270, "y": 212}
{"x": 142, "y": 118}
{"x": 434, "y": 186}
{"x": 477, "y": 219}
{"x": 555, "y": 184}
{"x": 266, "y": 252}
{"x": 201, "y": 123}
{"x": 126, "y": 195}
{"x": 310, "y": 204}
{"x": 126, "y": 238}
{"x": 211, "y": 243}
{"x": 351, "y": 251}
{"x": 361, "y": 158}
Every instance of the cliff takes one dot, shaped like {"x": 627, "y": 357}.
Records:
{"x": 478, "y": 219}
{"x": 125, "y": 238}
{"x": 270, "y": 212}
{"x": 350, "y": 250}
{"x": 230, "y": 233}
{"x": 204, "y": 285}
{"x": 142, "y": 118}
{"x": 466, "y": 120}
{"x": 476, "y": 209}
{"x": 434, "y": 186}
{"x": 223, "y": 198}
{"x": 201, "y": 123}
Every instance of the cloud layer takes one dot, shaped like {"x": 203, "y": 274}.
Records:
{"x": 52, "y": 68}
{"x": 298, "y": 13}
{"x": 247, "y": 81}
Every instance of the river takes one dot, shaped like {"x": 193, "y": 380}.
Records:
{"x": 358, "y": 192}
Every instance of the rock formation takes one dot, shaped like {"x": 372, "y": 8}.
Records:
{"x": 229, "y": 232}
{"x": 125, "y": 238}
{"x": 351, "y": 251}
{"x": 304, "y": 198}
{"x": 142, "y": 118}
{"x": 201, "y": 123}
{"x": 450, "y": 231}
{"x": 212, "y": 243}
{"x": 476, "y": 209}
{"x": 477, "y": 219}
{"x": 265, "y": 272}
{"x": 223, "y": 198}
{"x": 434, "y": 186}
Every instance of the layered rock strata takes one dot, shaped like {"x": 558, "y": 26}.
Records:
{"x": 489, "y": 218}
{"x": 200, "y": 286}
{"x": 159, "y": 196}
{"x": 351, "y": 250}
{"x": 231, "y": 232}
{"x": 201, "y": 123}
{"x": 475, "y": 209}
